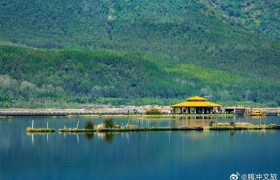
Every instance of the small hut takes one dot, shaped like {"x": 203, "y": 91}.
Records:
{"x": 196, "y": 105}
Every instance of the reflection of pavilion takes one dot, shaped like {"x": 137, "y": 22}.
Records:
{"x": 196, "y": 105}
{"x": 192, "y": 123}
{"x": 197, "y": 117}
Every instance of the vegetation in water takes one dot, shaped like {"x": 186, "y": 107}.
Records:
{"x": 232, "y": 123}
{"x": 89, "y": 125}
{"x": 211, "y": 123}
{"x": 34, "y": 130}
{"x": 153, "y": 111}
{"x": 109, "y": 123}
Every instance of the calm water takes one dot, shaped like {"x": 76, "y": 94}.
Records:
{"x": 136, "y": 155}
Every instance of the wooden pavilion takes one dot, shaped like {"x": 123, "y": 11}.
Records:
{"x": 196, "y": 105}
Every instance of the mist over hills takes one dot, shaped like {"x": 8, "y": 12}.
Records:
{"x": 131, "y": 49}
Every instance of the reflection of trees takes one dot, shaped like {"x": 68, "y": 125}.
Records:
{"x": 109, "y": 137}
{"x": 89, "y": 135}
{"x": 231, "y": 133}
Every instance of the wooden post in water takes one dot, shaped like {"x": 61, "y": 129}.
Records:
{"x": 47, "y": 125}
{"x": 32, "y": 123}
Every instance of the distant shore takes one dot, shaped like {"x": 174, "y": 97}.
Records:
{"x": 105, "y": 111}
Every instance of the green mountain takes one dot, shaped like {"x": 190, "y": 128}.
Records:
{"x": 108, "y": 76}
{"x": 122, "y": 50}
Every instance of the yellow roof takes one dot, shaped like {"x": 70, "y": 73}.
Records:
{"x": 196, "y": 104}
{"x": 196, "y": 101}
{"x": 196, "y": 98}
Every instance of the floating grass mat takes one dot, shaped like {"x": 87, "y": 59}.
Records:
{"x": 246, "y": 127}
{"x": 40, "y": 130}
{"x": 74, "y": 130}
{"x": 217, "y": 127}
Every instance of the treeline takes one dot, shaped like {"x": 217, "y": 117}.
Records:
{"x": 42, "y": 77}
{"x": 80, "y": 76}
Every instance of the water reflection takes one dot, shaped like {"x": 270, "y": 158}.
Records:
{"x": 78, "y": 139}
{"x": 198, "y": 121}
{"x": 89, "y": 135}
{"x": 106, "y": 137}
{"x": 39, "y": 133}
{"x": 109, "y": 137}
{"x": 197, "y": 117}
{"x": 186, "y": 121}
{"x": 136, "y": 155}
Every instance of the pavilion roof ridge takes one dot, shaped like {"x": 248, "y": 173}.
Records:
{"x": 196, "y": 98}
{"x": 196, "y": 101}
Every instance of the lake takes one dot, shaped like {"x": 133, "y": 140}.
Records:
{"x": 138, "y": 155}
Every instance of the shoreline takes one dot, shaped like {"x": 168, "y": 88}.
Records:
{"x": 126, "y": 111}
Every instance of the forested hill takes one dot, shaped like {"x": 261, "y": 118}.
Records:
{"x": 224, "y": 35}
{"x": 138, "y": 48}
{"x": 103, "y": 76}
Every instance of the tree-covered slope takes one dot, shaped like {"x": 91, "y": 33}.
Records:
{"x": 254, "y": 15}
{"x": 85, "y": 76}
{"x": 192, "y": 31}
{"x": 140, "y": 48}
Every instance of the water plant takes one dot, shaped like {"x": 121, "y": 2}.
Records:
{"x": 109, "y": 123}
{"x": 232, "y": 124}
{"x": 89, "y": 125}
{"x": 46, "y": 130}
{"x": 153, "y": 111}
{"x": 211, "y": 123}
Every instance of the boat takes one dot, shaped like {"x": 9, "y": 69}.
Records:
{"x": 257, "y": 113}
